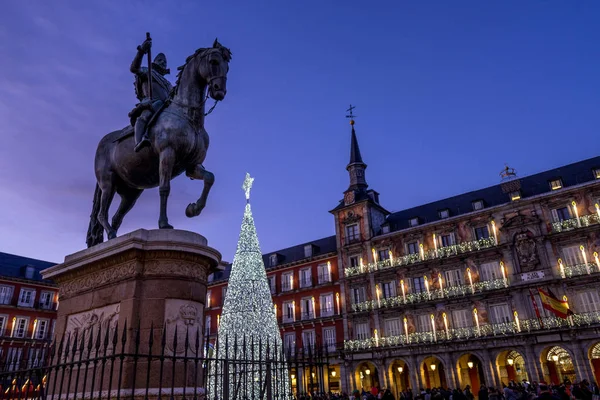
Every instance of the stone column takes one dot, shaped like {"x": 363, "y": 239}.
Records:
{"x": 415, "y": 377}
{"x": 451, "y": 375}
{"x": 581, "y": 361}
{"x": 489, "y": 365}
{"x": 152, "y": 279}
{"x": 534, "y": 368}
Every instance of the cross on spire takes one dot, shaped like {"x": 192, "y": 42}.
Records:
{"x": 247, "y": 186}
{"x": 351, "y": 114}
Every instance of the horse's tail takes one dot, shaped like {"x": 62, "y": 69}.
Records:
{"x": 95, "y": 233}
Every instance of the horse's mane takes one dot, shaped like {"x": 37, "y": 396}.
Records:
{"x": 225, "y": 52}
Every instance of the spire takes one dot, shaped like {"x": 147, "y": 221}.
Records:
{"x": 356, "y": 167}
{"x": 355, "y": 156}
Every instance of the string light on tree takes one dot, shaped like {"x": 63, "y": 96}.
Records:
{"x": 247, "y": 320}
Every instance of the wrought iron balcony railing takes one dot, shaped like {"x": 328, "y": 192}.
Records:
{"x": 433, "y": 294}
{"x": 574, "y": 223}
{"x": 581, "y": 269}
{"x": 442, "y": 252}
{"x": 482, "y": 331}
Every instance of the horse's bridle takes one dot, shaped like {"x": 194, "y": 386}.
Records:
{"x": 206, "y": 94}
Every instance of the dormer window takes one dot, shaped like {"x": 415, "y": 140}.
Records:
{"x": 596, "y": 172}
{"x": 514, "y": 196}
{"x": 385, "y": 229}
{"x": 444, "y": 213}
{"x": 308, "y": 250}
{"x": 413, "y": 221}
{"x": 477, "y": 205}
{"x": 556, "y": 184}
{"x": 29, "y": 270}
{"x": 273, "y": 260}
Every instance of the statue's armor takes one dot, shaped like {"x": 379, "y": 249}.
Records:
{"x": 161, "y": 88}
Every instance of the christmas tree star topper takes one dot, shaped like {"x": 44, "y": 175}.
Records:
{"x": 247, "y": 185}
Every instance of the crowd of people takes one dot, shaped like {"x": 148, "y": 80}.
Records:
{"x": 513, "y": 391}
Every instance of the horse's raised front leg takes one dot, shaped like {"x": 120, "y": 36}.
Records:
{"x": 108, "y": 192}
{"x": 198, "y": 172}
{"x": 167, "y": 160}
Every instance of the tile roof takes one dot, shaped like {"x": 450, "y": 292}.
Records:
{"x": 532, "y": 185}
{"x": 296, "y": 253}
{"x": 14, "y": 266}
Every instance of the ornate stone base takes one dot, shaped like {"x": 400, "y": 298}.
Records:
{"x": 153, "y": 278}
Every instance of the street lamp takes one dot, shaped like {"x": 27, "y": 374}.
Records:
{"x": 470, "y": 364}
{"x": 400, "y": 369}
{"x": 555, "y": 358}
{"x": 510, "y": 361}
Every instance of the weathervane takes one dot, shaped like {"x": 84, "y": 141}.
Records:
{"x": 247, "y": 186}
{"x": 351, "y": 114}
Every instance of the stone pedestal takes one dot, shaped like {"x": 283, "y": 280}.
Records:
{"x": 147, "y": 278}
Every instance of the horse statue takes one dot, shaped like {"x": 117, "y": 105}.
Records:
{"x": 178, "y": 143}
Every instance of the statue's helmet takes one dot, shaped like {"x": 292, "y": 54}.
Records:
{"x": 160, "y": 64}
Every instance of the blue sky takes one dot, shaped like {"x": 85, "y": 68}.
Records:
{"x": 447, "y": 92}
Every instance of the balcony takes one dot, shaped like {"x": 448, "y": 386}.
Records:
{"x": 327, "y": 312}
{"x": 472, "y": 332}
{"x": 574, "y": 223}
{"x": 305, "y": 283}
{"x": 580, "y": 269}
{"x": 429, "y": 255}
{"x": 307, "y": 315}
{"x": 435, "y": 294}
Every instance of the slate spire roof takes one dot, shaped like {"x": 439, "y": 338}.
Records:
{"x": 355, "y": 157}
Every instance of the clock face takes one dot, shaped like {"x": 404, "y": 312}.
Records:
{"x": 349, "y": 198}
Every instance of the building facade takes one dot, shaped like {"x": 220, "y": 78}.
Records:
{"x": 304, "y": 282}
{"x": 446, "y": 294}
{"x": 28, "y": 307}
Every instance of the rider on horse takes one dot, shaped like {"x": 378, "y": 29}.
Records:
{"x": 161, "y": 88}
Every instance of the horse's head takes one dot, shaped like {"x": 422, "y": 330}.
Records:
{"x": 214, "y": 68}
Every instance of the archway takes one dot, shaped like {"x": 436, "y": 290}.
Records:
{"x": 400, "y": 374}
{"x": 511, "y": 367}
{"x": 557, "y": 365}
{"x": 594, "y": 356}
{"x": 433, "y": 373}
{"x": 367, "y": 376}
{"x": 470, "y": 372}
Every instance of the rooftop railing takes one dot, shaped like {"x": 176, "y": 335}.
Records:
{"x": 472, "y": 332}
{"x": 442, "y": 252}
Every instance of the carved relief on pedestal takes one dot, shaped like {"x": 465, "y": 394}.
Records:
{"x": 527, "y": 252}
{"x": 175, "y": 268}
{"x": 91, "y": 322}
{"x": 183, "y": 317}
{"x": 97, "y": 279}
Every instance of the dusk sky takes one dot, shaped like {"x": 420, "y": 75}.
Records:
{"x": 447, "y": 92}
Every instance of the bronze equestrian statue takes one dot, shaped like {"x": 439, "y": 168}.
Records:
{"x": 177, "y": 143}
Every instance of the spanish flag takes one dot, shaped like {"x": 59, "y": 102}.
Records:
{"x": 560, "y": 308}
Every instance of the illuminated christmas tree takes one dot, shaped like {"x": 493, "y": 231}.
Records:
{"x": 248, "y": 327}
